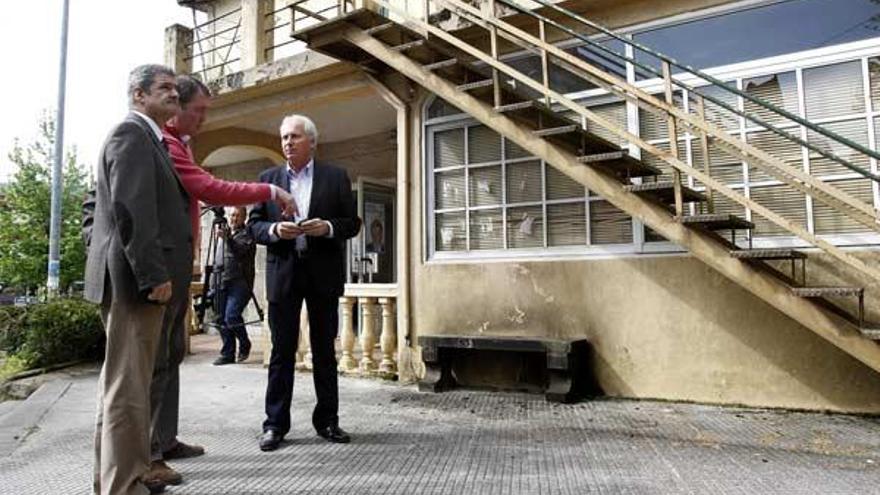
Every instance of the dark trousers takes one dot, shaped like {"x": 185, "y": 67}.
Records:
{"x": 284, "y": 317}
{"x": 234, "y": 297}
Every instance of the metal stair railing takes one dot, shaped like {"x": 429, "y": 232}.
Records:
{"x": 713, "y": 82}
{"x": 800, "y": 180}
{"x": 496, "y": 27}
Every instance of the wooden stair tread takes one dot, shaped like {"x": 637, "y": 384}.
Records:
{"x": 409, "y": 45}
{"x": 718, "y": 221}
{"x": 474, "y": 85}
{"x": 827, "y": 291}
{"x": 555, "y": 131}
{"x": 441, "y": 64}
{"x": 665, "y": 191}
{"x": 767, "y": 254}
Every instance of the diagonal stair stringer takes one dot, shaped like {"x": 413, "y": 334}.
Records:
{"x": 704, "y": 246}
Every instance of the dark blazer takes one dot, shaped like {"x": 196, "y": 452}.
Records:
{"x": 331, "y": 200}
{"x": 141, "y": 235}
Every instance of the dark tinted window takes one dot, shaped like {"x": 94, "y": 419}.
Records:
{"x": 761, "y": 32}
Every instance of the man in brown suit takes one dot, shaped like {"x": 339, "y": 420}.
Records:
{"x": 139, "y": 257}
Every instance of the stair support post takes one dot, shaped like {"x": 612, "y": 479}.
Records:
{"x": 704, "y": 147}
{"x": 703, "y": 246}
{"x": 672, "y": 128}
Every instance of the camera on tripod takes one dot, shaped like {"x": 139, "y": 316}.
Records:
{"x": 213, "y": 271}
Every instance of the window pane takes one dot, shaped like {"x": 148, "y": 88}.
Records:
{"x": 874, "y": 70}
{"x": 512, "y": 150}
{"x": 834, "y": 90}
{"x": 722, "y": 166}
{"x": 484, "y": 145}
{"x": 561, "y": 186}
{"x": 828, "y": 221}
{"x": 487, "y": 229}
{"x": 485, "y": 185}
{"x": 854, "y": 130}
{"x": 783, "y": 200}
{"x": 525, "y": 227}
{"x": 715, "y": 113}
{"x": 616, "y": 113}
{"x": 449, "y": 190}
{"x": 603, "y": 59}
{"x": 777, "y": 146}
{"x": 760, "y": 32}
{"x": 653, "y": 126}
{"x": 779, "y": 90}
{"x": 442, "y": 108}
{"x": 450, "y": 234}
{"x": 567, "y": 224}
{"x": 524, "y": 182}
{"x": 651, "y": 159}
{"x": 608, "y": 225}
{"x": 449, "y": 148}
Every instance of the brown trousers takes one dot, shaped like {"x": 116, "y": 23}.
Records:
{"x": 122, "y": 433}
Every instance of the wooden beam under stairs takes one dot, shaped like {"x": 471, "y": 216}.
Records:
{"x": 703, "y": 246}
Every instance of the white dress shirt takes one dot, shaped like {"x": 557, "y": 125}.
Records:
{"x": 152, "y": 123}
{"x": 301, "y": 190}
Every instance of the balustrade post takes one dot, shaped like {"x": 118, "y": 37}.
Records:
{"x": 389, "y": 336}
{"x": 368, "y": 334}
{"x": 347, "y": 361}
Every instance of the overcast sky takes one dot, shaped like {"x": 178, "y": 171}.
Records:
{"x": 106, "y": 39}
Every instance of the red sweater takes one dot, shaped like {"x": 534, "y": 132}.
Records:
{"x": 202, "y": 186}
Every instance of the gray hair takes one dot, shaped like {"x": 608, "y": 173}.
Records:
{"x": 143, "y": 76}
{"x": 308, "y": 127}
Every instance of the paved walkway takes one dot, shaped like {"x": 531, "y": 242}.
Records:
{"x": 459, "y": 442}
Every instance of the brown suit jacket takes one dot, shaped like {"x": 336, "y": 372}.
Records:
{"x": 141, "y": 234}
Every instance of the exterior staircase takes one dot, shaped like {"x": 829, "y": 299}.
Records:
{"x": 465, "y": 68}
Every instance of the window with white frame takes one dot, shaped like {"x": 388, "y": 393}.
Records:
{"x": 487, "y": 196}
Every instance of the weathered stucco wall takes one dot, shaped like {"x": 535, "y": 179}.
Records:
{"x": 661, "y": 327}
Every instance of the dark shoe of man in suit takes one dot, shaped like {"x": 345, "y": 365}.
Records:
{"x": 220, "y": 361}
{"x": 334, "y": 434}
{"x": 183, "y": 451}
{"x": 162, "y": 473}
{"x": 244, "y": 353}
{"x": 270, "y": 440}
{"x": 154, "y": 485}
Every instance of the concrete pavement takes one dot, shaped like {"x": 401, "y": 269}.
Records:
{"x": 460, "y": 442}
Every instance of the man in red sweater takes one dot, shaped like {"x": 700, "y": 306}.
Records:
{"x": 194, "y": 98}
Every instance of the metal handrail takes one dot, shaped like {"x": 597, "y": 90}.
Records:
{"x": 214, "y": 49}
{"x": 213, "y": 35}
{"x": 800, "y": 180}
{"x": 714, "y": 82}
{"x": 215, "y": 19}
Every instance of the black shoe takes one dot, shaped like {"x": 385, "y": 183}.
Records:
{"x": 220, "y": 361}
{"x": 183, "y": 451}
{"x": 154, "y": 486}
{"x": 334, "y": 434}
{"x": 270, "y": 440}
{"x": 244, "y": 354}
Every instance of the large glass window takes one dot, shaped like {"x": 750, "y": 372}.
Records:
{"x": 488, "y": 195}
{"x": 775, "y": 29}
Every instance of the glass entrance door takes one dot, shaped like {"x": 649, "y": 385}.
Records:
{"x": 371, "y": 257}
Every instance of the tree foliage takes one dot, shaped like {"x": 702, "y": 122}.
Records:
{"x": 26, "y": 210}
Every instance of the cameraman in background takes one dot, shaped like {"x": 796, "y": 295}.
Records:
{"x": 236, "y": 287}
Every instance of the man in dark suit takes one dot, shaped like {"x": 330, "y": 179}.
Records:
{"x": 139, "y": 258}
{"x": 305, "y": 261}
